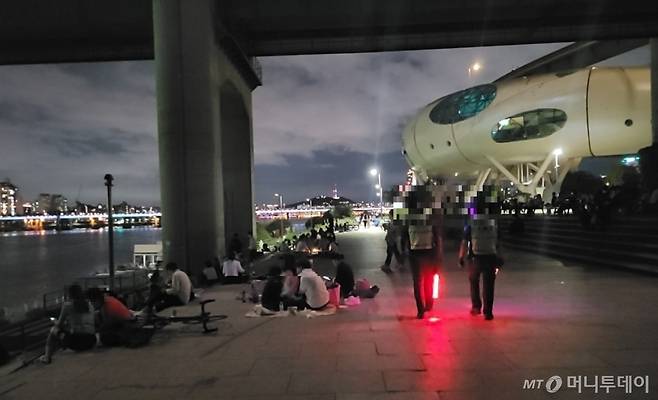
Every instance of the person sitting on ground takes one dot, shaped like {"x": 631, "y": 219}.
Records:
{"x": 284, "y": 247}
{"x": 74, "y": 329}
{"x": 345, "y": 278}
{"x": 113, "y": 317}
{"x": 266, "y": 249}
{"x": 333, "y": 245}
{"x": 290, "y": 281}
{"x": 312, "y": 287}
{"x": 271, "y": 298}
{"x": 233, "y": 271}
{"x": 209, "y": 273}
{"x": 179, "y": 294}
{"x": 323, "y": 243}
{"x": 302, "y": 245}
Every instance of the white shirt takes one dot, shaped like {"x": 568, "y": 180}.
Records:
{"x": 180, "y": 286}
{"x": 312, "y": 285}
{"x": 232, "y": 268}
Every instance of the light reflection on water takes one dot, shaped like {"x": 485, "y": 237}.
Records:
{"x": 35, "y": 262}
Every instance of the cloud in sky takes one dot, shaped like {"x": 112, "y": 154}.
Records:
{"x": 318, "y": 120}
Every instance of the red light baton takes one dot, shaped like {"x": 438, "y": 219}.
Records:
{"x": 435, "y": 287}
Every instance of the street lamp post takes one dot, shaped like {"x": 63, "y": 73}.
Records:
{"x": 110, "y": 223}
{"x": 374, "y": 172}
{"x": 280, "y": 213}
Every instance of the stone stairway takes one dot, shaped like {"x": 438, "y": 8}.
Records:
{"x": 627, "y": 242}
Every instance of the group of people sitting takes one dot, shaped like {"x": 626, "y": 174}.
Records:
{"x": 87, "y": 318}
{"x": 234, "y": 268}
{"x": 297, "y": 285}
{"x": 315, "y": 242}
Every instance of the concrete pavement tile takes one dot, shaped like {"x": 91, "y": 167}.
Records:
{"x": 142, "y": 393}
{"x": 447, "y": 379}
{"x": 55, "y": 390}
{"x": 387, "y": 347}
{"x": 326, "y": 396}
{"x": 337, "y": 382}
{"x": 264, "y": 366}
{"x": 554, "y": 359}
{"x": 372, "y": 336}
{"x": 488, "y": 395}
{"x": 389, "y": 396}
{"x": 379, "y": 362}
{"x": 363, "y": 348}
{"x": 629, "y": 357}
{"x": 233, "y": 387}
{"x": 385, "y": 325}
{"x": 489, "y": 361}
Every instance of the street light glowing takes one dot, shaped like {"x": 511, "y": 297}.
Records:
{"x": 557, "y": 152}
{"x": 276, "y": 195}
{"x": 476, "y": 66}
{"x": 377, "y": 186}
{"x": 373, "y": 172}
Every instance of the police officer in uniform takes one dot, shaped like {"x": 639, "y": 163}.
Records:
{"x": 480, "y": 245}
{"x": 424, "y": 244}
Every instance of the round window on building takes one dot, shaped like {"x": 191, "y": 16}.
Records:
{"x": 464, "y": 104}
{"x": 529, "y": 125}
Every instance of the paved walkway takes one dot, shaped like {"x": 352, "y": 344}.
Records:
{"x": 551, "y": 319}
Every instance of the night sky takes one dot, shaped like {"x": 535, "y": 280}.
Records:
{"x": 318, "y": 120}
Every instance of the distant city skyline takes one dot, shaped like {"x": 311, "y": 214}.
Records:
{"x": 319, "y": 120}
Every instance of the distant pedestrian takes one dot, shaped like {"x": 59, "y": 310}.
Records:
{"x": 392, "y": 237}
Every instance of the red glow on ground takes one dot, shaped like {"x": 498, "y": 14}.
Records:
{"x": 434, "y": 319}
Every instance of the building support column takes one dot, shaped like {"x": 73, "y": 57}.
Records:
{"x": 205, "y": 141}
{"x": 183, "y": 41}
{"x": 649, "y": 155}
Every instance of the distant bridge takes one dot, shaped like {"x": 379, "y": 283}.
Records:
{"x": 265, "y": 214}
{"x": 27, "y": 218}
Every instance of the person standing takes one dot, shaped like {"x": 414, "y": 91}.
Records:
{"x": 481, "y": 245}
{"x": 391, "y": 238}
{"x": 235, "y": 246}
{"x": 425, "y": 247}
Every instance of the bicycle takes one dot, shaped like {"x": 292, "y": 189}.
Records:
{"x": 204, "y": 318}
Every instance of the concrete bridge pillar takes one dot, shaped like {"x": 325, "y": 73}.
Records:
{"x": 649, "y": 155}
{"x": 205, "y": 136}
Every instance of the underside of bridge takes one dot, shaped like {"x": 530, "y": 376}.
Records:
{"x": 205, "y": 70}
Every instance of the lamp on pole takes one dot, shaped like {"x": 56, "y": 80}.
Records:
{"x": 375, "y": 172}
{"x": 474, "y": 68}
{"x": 110, "y": 223}
{"x": 280, "y": 214}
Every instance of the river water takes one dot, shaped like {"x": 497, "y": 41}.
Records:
{"x": 33, "y": 263}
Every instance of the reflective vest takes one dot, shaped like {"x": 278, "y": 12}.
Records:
{"x": 484, "y": 236}
{"x": 421, "y": 237}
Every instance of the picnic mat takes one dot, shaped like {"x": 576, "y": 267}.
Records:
{"x": 259, "y": 311}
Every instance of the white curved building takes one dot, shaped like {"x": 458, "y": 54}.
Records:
{"x": 531, "y": 130}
